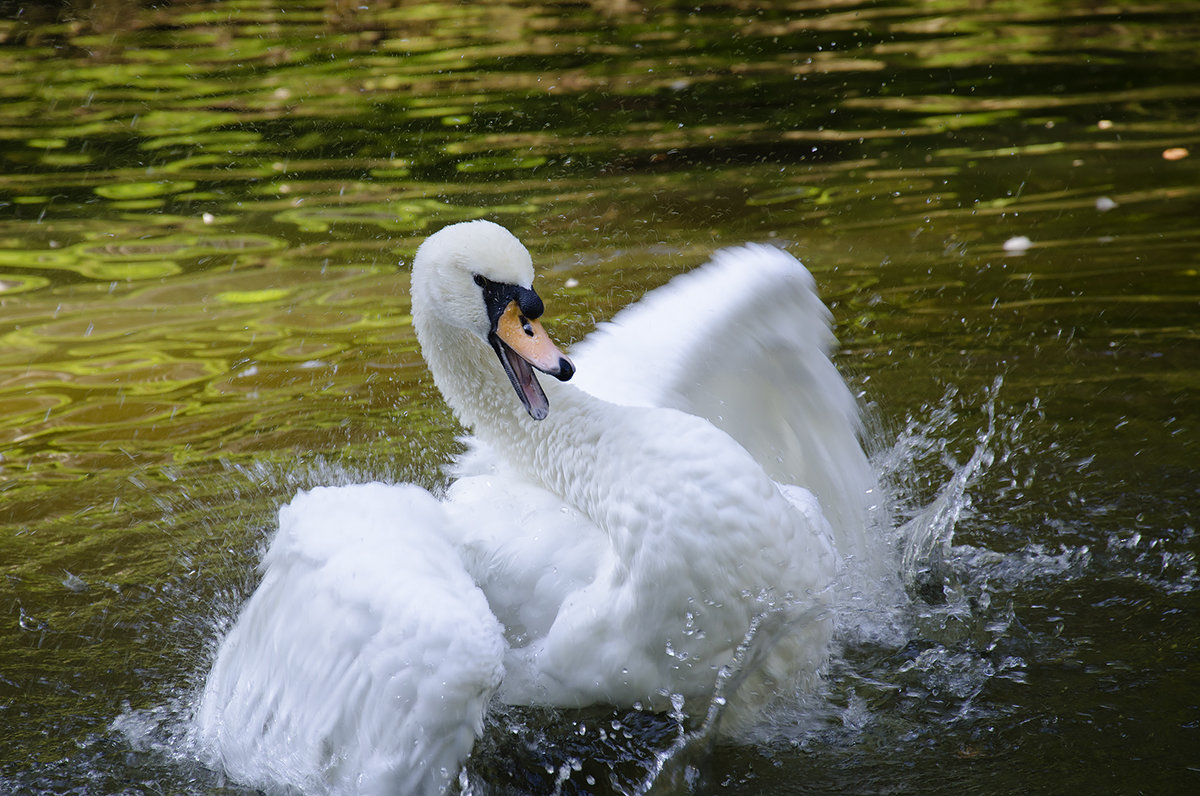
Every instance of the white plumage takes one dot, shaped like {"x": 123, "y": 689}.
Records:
{"x": 364, "y": 621}
{"x": 615, "y": 551}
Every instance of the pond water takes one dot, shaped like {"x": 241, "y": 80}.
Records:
{"x": 202, "y": 210}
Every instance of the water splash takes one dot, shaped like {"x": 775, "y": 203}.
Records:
{"x": 928, "y": 535}
{"x": 912, "y": 659}
{"x": 598, "y": 750}
{"x": 678, "y": 768}
{"x": 932, "y": 647}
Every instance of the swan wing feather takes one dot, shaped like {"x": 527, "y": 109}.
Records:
{"x": 744, "y": 341}
{"x": 365, "y": 659}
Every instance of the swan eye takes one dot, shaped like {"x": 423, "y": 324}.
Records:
{"x": 479, "y": 280}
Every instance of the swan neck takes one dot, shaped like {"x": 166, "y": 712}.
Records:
{"x": 470, "y": 378}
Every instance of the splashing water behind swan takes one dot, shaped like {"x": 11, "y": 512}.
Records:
{"x": 607, "y": 541}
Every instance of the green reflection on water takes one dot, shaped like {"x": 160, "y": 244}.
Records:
{"x": 202, "y": 207}
{"x": 143, "y": 190}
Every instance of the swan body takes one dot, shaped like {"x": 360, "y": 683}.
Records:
{"x": 612, "y": 544}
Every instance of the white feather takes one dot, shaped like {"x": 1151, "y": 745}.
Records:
{"x": 617, "y": 551}
{"x": 364, "y": 661}
{"x": 745, "y": 342}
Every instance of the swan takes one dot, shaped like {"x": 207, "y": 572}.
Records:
{"x": 612, "y": 534}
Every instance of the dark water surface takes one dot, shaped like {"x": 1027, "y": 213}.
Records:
{"x": 202, "y": 208}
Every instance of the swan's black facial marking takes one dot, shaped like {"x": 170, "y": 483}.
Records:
{"x": 498, "y": 295}
{"x": 530, "y": 303}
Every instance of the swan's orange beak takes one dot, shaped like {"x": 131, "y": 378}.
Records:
{"x": 522, "y": 344}
{"x": 529, "y": 340}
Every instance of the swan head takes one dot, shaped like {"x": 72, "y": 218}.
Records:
{"x": 476, "y": 276}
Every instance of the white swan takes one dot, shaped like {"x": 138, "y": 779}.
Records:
{"x": 611, "y": 544}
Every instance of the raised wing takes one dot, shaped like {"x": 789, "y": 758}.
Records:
{"x": 366, "y": 658}
{"x": 744, "y": 341}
